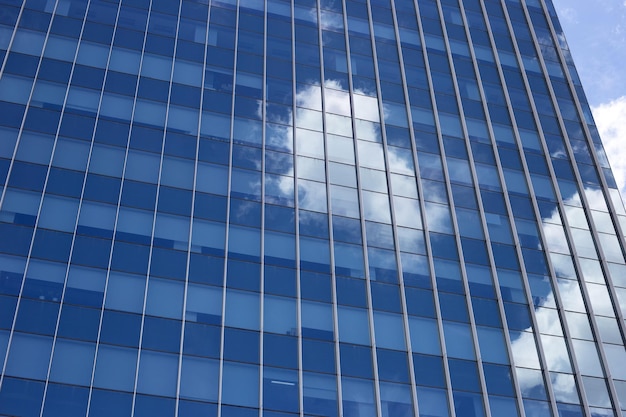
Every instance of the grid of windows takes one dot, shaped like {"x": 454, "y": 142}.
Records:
{"x": 332, "y": 208}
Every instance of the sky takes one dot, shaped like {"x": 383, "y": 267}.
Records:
{"x": 596, "y": 34}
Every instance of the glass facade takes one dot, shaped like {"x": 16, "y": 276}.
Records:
{"x": 357, "y": 208}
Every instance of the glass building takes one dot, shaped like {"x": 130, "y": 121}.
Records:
{"x": 317, "y": 208}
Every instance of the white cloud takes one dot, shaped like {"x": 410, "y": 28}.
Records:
{"x": 611, "y": 122}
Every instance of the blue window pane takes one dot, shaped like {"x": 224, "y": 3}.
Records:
{"x": 79, "y": 323}
{"x": 72, "y": 362}
{"x": 534, "y": 261}
{"x": 165, "y": 298}
{"x": 51, "y": 245}
{"x": 100, "y": 188}
{"x": 241, "y": 345}
{"x": 242, "y": 309}
{"x": 161, "y": 334}
{"x": 318, "y": 356}
{"x": 537, "y": 408}
{"x": 91, "y": 252}
{"x": 389, "y": 330}
{"x": 202, "y": 340}
{"x": 392, "y": 365}
{"x": 20, "y": 243}
{"x": 243, "y": 275}
{"x": 65, "y": 182}
{"x": 356, "y": 361}
{"x": 64, "y": 400}
{"x": 464, "y": 375}
{"x": 206, "y": 269}
{"x": 351, "y": 292}
{"x": 192, "y": 409}
{"x": 149, "y": 406}
{"x": 247, "y": 213}
{"x": 115, "y": 368}
{"x": 424, "y": 335}
{"x": 432, "y": 402}
{"x": 315, "y": 286}
{"x": 231, "y": 411}
{"x": 41, "y": 120}
{"x": 168, "y": 263}
{"x": 503, "y": 406}
{"x": 475, "y": 251}
{"x": 468, "y": 405}
{"x": 498, "y": 379}
{"x": 396, "y": 400}
{"x": 346, "y": 230}
{"x": 280, "y": 389}
{"x": 492, "y": 347}
{"x": 37, "y": 317}
{"x": 157, "y": 373}
{"x": 486, "y": 312}
{"x": 279, "y": 218}
{"x": 280, "y": 281}
{"x": 198, "y": 379}
{"x": 11, "y": 114}
{"x": 493, "y": 202}
{"x": 314, "y": 254}
{"x": 244, "y": 243}
{"x": 420, "y": 302}
{"x": 428, "y": 370}
{"x": 7, "y": 311}
{"x": 130, "y": 258}
{"x": 240, "y": 384}
{"x": 505, "y": 256}
{"x": 511, "y": 286}
{"x": 480, "y": 281}
{"x": 358, "y": 398}
{"x": 459, "y": 341}
{"x": 517, "y": 316}
{"x": 453, "y": 307}
{"x": 21, "y": 397}
{"x": 535, "y": 388}
{"x": 320, "y": 394}
{"x": 120, "y": 328}
{"x": 443, "y": 246}
{"x": 448, "y": 274}
{"x": 281, "y": 351}
{"x": 385, "y": 297}
{"x": 104, "y": 403}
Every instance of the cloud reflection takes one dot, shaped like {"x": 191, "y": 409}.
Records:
{"x": 555, "y": 351}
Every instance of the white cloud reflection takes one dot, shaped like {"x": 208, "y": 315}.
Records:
{"x": 549, "y": 325}
{"x": 610, "y": 119}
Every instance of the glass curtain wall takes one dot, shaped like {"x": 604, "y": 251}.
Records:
{"x": 315, "y": 208}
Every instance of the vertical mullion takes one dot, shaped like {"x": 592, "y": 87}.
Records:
{"x": 296, "y": 208}
{"x": 329, "y": 209}
{"x": 262, "y": 232}
{"x": 227, "y": 223}
{"x": 403, "y": 297}
{"x": 158, "y": 195}
{"x": 193, "y": 207}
